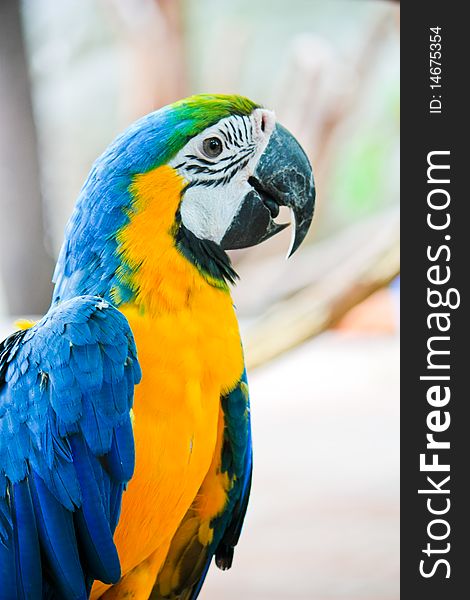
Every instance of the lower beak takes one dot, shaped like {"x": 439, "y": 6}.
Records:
{"x": 283, "y": 177}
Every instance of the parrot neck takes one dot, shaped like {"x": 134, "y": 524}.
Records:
{"x": 163, "y": 265}
{"x": 135, "y": 250}
{"x": 212, "y": 262}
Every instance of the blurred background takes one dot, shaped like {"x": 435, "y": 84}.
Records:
{"x": 320, "y": 330}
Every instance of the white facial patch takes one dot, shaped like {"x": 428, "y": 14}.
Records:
{"x": 218, "y": 181}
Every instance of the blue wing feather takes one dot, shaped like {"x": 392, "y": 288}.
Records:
{"x": 7, "y": 552}
{"x": 58, "y": 540}
{"x": 93, "y": 527}
{"x": 120, "y": 459}
{"x": 26, "y": 542}
{"x": 66, "y": 448}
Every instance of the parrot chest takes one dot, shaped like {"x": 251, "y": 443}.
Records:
{"x": 188, "y": 360}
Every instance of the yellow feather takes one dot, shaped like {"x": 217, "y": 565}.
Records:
{"x": 189, "y": 348}
{"x": 25, "y": 323}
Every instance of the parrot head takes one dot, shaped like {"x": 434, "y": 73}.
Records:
{"x": 239, "y": 171}
{"x": 228, "y": 167}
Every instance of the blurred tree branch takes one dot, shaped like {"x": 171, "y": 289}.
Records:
{"x": 366, "y": 258}
{"x": 154, "y": 73}
{"x": 25, "y": 266}
{"x": 316, "y": 95}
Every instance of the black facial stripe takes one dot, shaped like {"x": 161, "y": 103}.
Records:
{"x": 213, "y": 183}
{"x": 237, "y": 169}
{"x": 237, "y": 138}
{"x": 198, "y": 158}
{"x": 235, "y": 135}
{"x": 239, "y": 130}
{"x": 208, "y": 183}
{"x": 225, "y": 136}
{"x": 244, "y": 157}
{"x": 248, "y": 150}
{"x": 203, "y": 169}
{"x": 229, "y": 135}
{"x": 236, "y": 129}
{"x": 246, "y": 130}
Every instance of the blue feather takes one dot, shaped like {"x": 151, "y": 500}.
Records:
{"x": 112, "y": 371}
{"x": 118, "y": 392}
{"x": 58, "y": 542}
{"x": 92, "y": 526}
{"x": 7, "y": 551}
{"x": 120, "y": 459}
{"x": 7, "y": 568}
{"x": 27, "y": 556}
{"x": 78, "y": 334}
{"x": 5, "y": 517}
{"x": 66, "y": 430}
{"x": 61, "y": 479}
{"x": 115, "y": 353}
{"x": 96, "y": 428}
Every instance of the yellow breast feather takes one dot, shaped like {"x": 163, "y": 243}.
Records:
{"x": 188, "y": 361}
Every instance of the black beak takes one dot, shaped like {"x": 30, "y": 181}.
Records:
{"x": 283, "y": 177}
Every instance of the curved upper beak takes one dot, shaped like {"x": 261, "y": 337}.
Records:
{"x": 283, "y": 177}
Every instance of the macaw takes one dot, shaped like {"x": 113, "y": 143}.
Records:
{"x": 109, "y": 489}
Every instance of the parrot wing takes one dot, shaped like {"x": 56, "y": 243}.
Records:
{"x": 198, "y": 539}
{"x": 66, "y": 449}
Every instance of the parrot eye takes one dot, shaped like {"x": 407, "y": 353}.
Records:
{"x": 212, "y": 147}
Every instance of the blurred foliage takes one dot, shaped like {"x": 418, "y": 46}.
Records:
{"x": 329, "y": 69}
{"x": 78, "y": 59}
